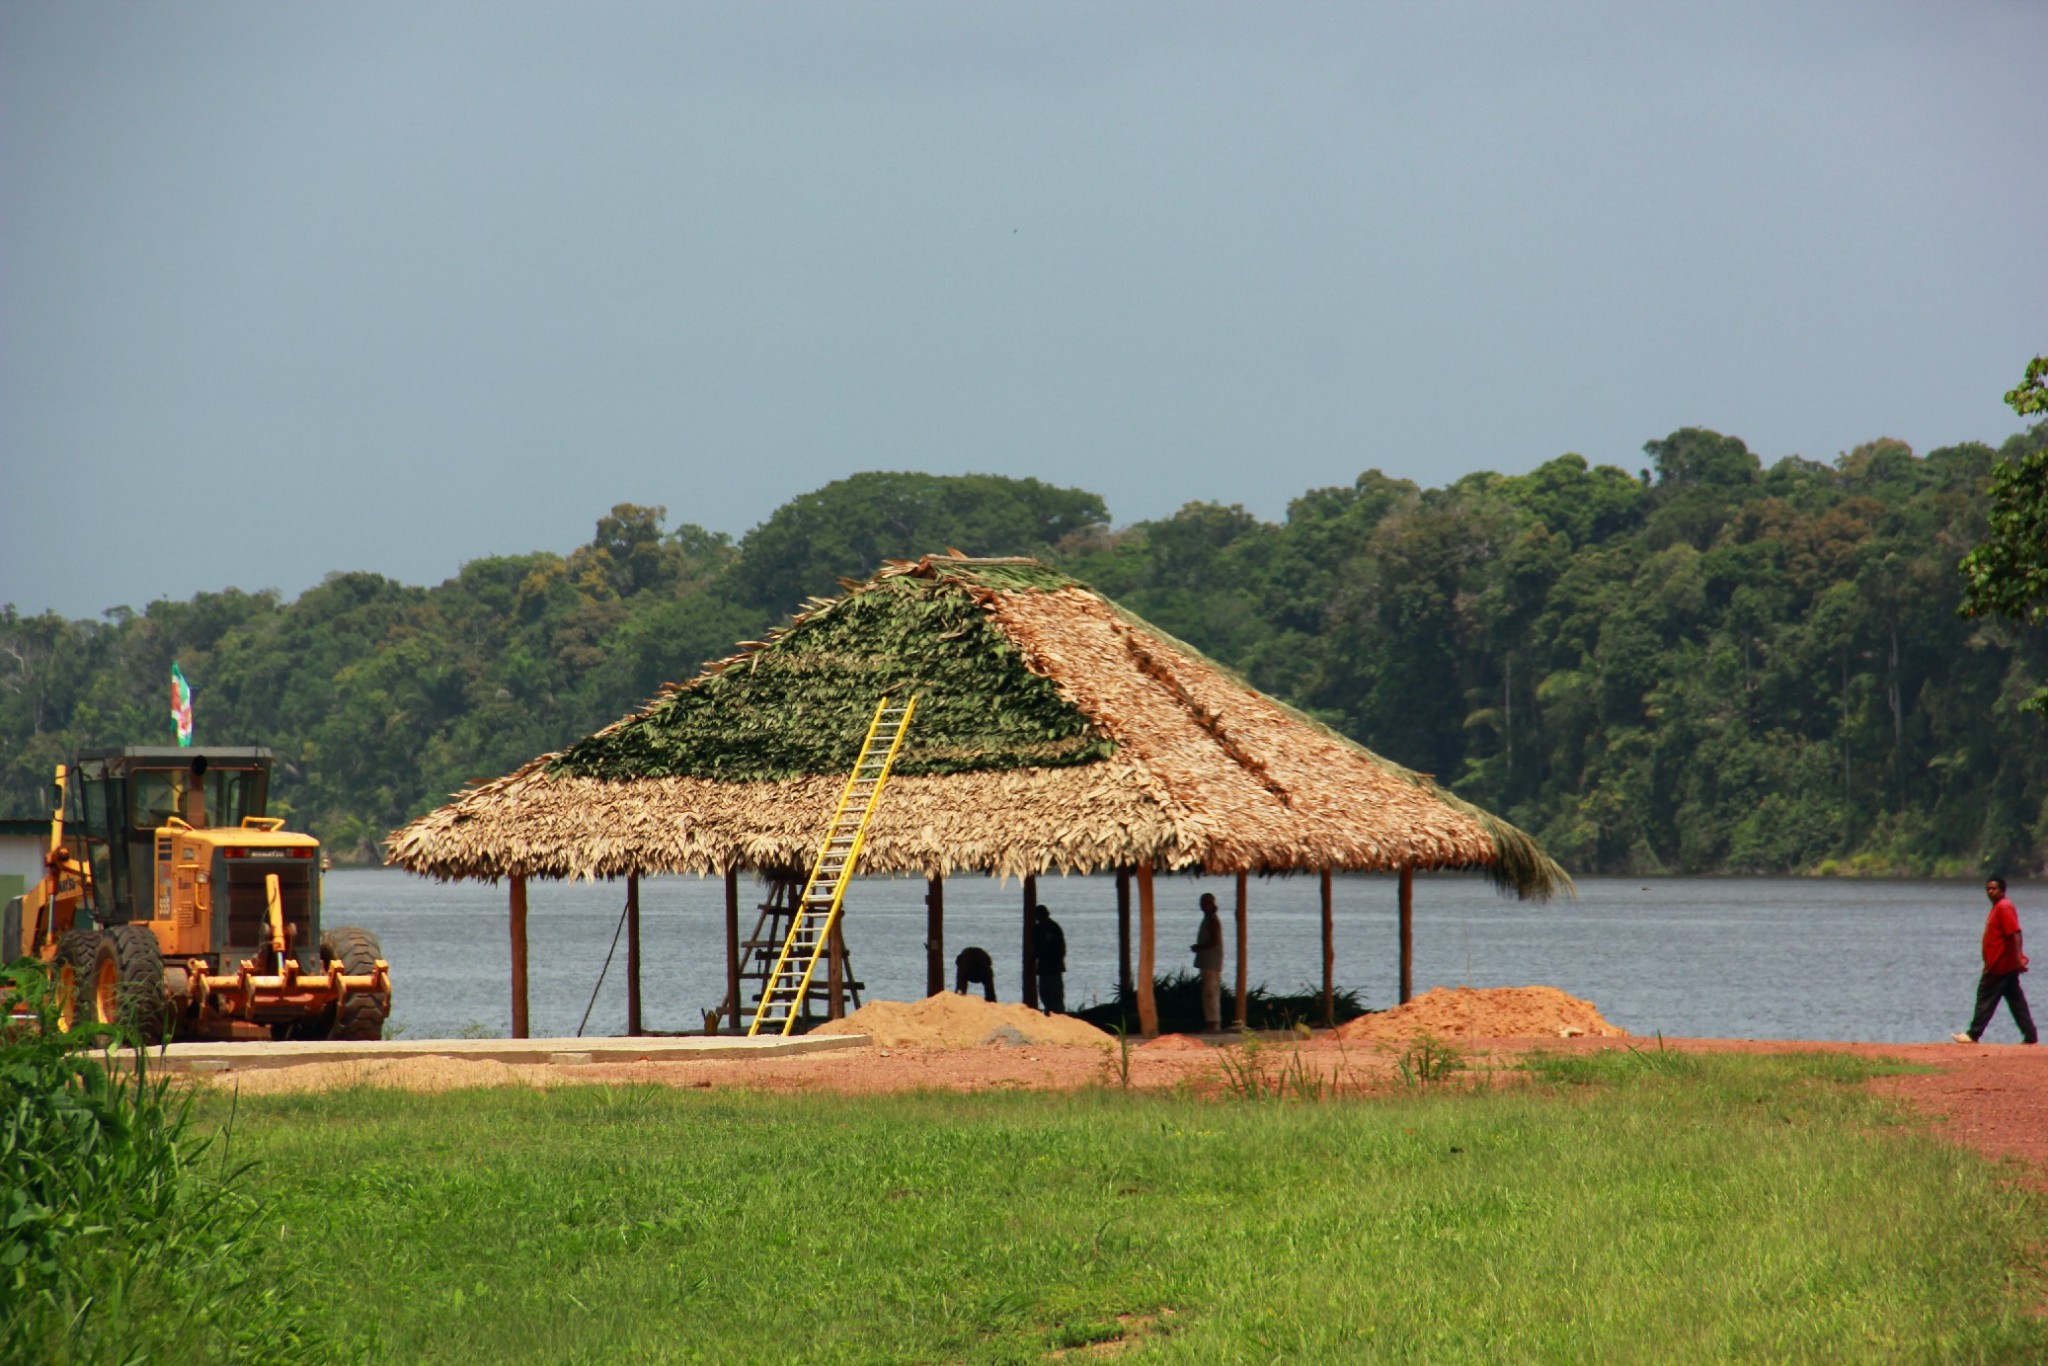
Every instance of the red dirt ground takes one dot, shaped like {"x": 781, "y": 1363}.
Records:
{"x": 1989, "y": 1097}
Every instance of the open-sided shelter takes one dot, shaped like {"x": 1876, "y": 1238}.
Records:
{"x": 1055, "y": 732}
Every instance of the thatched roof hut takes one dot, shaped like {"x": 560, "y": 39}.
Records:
{"x": 1055, "y": 732}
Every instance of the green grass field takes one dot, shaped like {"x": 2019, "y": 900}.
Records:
{"x": 1623, "y": 1208}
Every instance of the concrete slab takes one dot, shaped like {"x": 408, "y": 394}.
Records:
{"x": 235, "y": 1057}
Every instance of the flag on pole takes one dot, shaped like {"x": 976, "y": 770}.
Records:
{"x": 181, "y": 706}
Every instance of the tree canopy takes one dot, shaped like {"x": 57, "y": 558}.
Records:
{"x": 1723, "y": 667}
{"x": 2007, "y": 575}
{"x": 851, "y": 525}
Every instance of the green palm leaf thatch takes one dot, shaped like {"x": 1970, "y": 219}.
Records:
{"x": 799, "y": 705}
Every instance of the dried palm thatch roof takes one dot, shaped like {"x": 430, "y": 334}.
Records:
{"x": 1054, "y": 732}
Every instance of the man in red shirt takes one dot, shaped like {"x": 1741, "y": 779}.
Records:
{"x": 2003, "y": 964}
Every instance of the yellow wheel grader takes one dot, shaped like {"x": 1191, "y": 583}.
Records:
{"x": 172, "y": 906}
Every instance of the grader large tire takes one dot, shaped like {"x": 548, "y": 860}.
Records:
{"x": 357, "y": 950}
{"x": 128, "y": 984}
{"x": 73, "y": 975}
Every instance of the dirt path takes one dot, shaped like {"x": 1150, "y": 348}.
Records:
{"x": 852, "y": 1071}
{"x": 1989, "y": 1097}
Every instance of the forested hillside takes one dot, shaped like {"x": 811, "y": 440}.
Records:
{"x": 1704, "y": 665}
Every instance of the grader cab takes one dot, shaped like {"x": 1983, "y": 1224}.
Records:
{"x": 173, "y": 906}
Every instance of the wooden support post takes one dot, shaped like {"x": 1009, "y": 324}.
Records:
{"x": 1148, "y": 1008}
{"x": 633, "y": 954}
{"x": 934, "y": 935}
{"x": 835, "y": 975}
{"x": 1407, "y": 934}
{"x": 1243, "y": 972}
{"x": 518, "y": 956}
{"x": 732, "y": 950}
{"x": 1329, "y": 957}
{"x": 1030, "y": 957}
{"x": 1123, "y": 933}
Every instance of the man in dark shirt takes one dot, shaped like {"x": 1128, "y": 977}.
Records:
{"x": 2003, "y": 964}
{"x": 1208, "y": 951}
{"x": 1049, "y": 949}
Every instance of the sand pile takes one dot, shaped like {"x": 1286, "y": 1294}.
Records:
{"x": 949, "y": 1020}
{"x": 1177, "y": 1043}
{"x": 1486, "y": 1013}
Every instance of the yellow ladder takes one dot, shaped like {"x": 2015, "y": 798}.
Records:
{"x": 810, "y": 929}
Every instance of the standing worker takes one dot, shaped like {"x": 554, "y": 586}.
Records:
{"x": 1208, "y": 948}
{"x": 1049, "y": 953}
{"x": 2003, "y": 964}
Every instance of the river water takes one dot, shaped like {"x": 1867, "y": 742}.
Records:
{"x": 1782, "y": 958}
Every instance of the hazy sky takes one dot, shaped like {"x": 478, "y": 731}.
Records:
{"x": 287, "y": 289}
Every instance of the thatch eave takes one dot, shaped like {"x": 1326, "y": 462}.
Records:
{"x": 540, "y": 825}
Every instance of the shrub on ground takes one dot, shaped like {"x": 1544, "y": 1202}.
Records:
{"x": 123, "y": 1237}
{"x": 1179, "y": 998}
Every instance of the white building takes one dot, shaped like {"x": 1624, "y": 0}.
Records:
{"x": 23, "y": 842}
